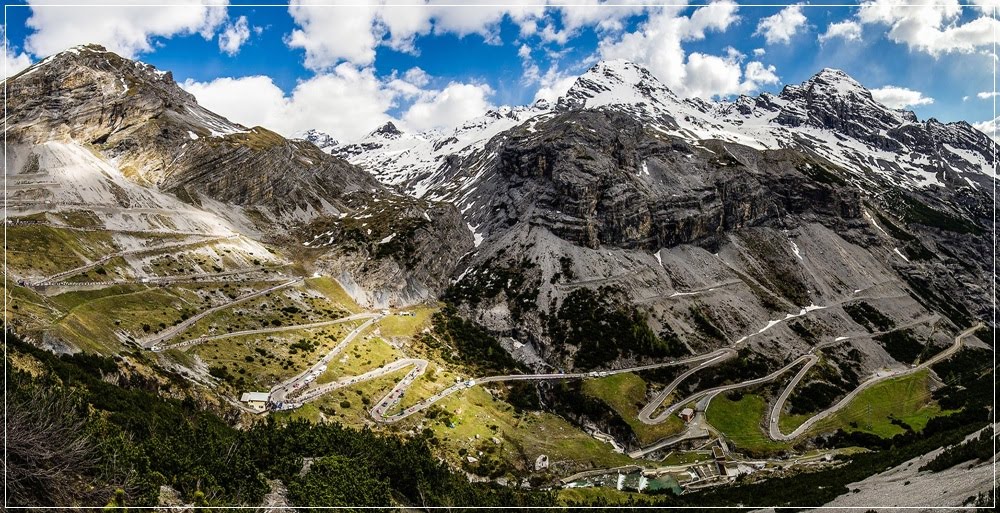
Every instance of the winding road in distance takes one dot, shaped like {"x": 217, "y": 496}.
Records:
{"x": 298, "y": 396}
{"x": 264, "y": 331}
{"x": 300, "y": 389}
{"x": 154, "y": 342}
{"x": 59, "y": 277}
{"x": 775, "y": 432}
{"x": 281, "y": 390}
{"x": 297, "y": 391}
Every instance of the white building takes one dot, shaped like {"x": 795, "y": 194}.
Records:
{"x": 255, "y": 400}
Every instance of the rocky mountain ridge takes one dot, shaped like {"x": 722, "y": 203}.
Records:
{"x": 419, "y": 162}
{"x": 91, "y": 131}
{"x": 830, "y": 114}
{"x": 710, "y": 221}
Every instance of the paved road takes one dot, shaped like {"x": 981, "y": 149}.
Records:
{"x": 17, "y": 204}
{"x": 601, "y": 281}
{"x": 393, "y": 397}
{"x": 810, "y": 359}
{"x": 296, "y": 391}
{"x": 786, "y": 393}
{"x": 690, "y": 292}
{"x": 291, "y": 327}
{"x": 646, "y": 413}
{"x": 527, "y": 377}
{"x": 23, "y": 222}
{"x": 646, "y": 419}
{"x": 812, "y": 308}
{"x": 293, "y": 385}
{"x": 56, "y": 278}
{"x": 696, "y": 429}
{"x": 775, "y": 432}
{"x": 927, "y": 319}
{"x": 419, "y": 366}
{"x": 67, "y": 286}
{"x": 155, "y": 341}
{"x": 780, "y": 403}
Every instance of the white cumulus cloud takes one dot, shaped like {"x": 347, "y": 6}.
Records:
{"x": 448, "y": 107}
{"x": 780, "y": 27}
{"x": 126, "y": 27}
{"x": 333, "y": 34}
{"x": 848, "y": 30}
{"x": 234, "y": 35}
{"x": 658, "y": 44}
{"x": 603, "y": 15}
{"x": 900, "y": 97}
{"x": 346, "y": 103}
{"x": 758, "y": 74}
{"x": 931, "y": 28}
{"x": 481, "y": 17}
{"x": 550, "y": 91}
{"x": 330, "y": 35}
{"x": 707, "y": 74}
{"x": 14, "y": 62}
{"x": 417, "y": 77}
{"x": 987, "y": 94}
{"x": 553, "y": 84}
{"x": 989, "y": 128}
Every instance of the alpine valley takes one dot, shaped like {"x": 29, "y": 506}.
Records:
{"x": 622, "y": 297}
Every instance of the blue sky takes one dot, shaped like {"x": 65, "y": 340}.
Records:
{"x": 345, "y": 70}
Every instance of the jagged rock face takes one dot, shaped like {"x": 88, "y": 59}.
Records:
{"x": 86, "y": 94}
{"x": 259, "y": 168}
{"x": 388, "y": 131}
{"x": 127, "y": 109}
{"x": 600, "y": 178}
{"x": 833, "y": 100}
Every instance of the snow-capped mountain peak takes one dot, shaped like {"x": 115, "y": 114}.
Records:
{"x": 615, "y": 82}
{"x": 833, "y": 101}
{"x": 830, "y": 114}
{"x": 387, "y": 131}
{"x": 837, "y": 88}
{"x": 414, "y": 161}
{"x": 839, "y": 81}
{"x": 322, "y": 140}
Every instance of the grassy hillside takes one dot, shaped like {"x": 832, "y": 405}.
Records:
{"x": 627, "y": 394}
{"x": 104, "y": 437}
